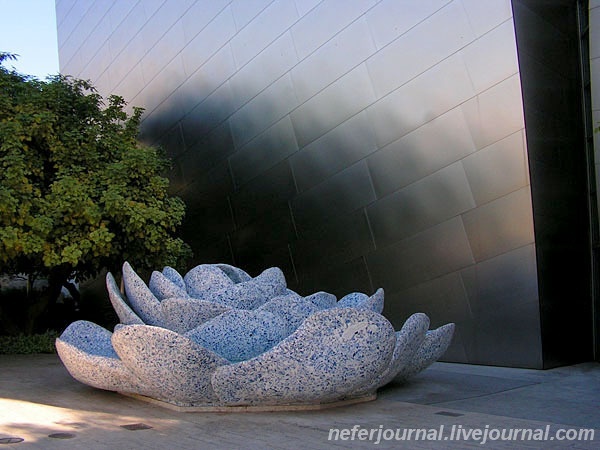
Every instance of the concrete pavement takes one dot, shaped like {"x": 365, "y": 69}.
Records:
{"x": 42, "y": 407}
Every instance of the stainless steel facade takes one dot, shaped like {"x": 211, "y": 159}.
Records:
{"x": 356, "y": 144}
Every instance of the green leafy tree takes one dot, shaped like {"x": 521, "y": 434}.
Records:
{"x": 78, "y": 192}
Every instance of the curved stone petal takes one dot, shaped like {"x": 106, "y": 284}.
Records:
{"x": 254, "y": 293}
{"x": 125, "y": 313}
{"x": 375, "y": 302}
{"x": 184, "y": 314}
{"x": 86, "y": 351}
{"x": 239, "y": 335}
{"x": 322, "y": 300}
{"x": 163, "y": 288}
{"x": 332, "y": 354}
{"x": 292, "y": 308}
{"x": 174, "y": 276}
{"x": 272, "y": 282}
{"x": 363, "y": 301}
{"x": 408, "y": 341}
{"x": 142, "y": 301}
{"x": 205, "y": 280}
{"x": 434, "y": 345}
{"x": 176, "y": 369}
{"x": 352, "y": 300}
{"x": 236, "y": 274}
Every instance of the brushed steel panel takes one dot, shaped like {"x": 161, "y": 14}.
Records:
{"x": 495, "y": 113}
{"x": 332, "y": 106}
{"x": 339, "y": 279}
{"x": 339, "y": 239}
{"x": 218, "y": 32}
{"x": 258, "y": 34}
{"x": 213, "y": 180}
{"x": 172, "y": 142}
{"x": 544, "y": 40}
{"x": 163, "y": 52}
{"x": 498, "y": 169}
{"x": 325, "y": 21}
{"x": 390, "y": 19}
{"x": 333, "y": 152}
{"x": 97, "y": 63}
{"x": 438, "y": 251}
{"x": 493, "y": 57}
{"x": 210, "y": 213}
{"x": 341, "y": 194}
{"x": 484, "y": 16}
{"x": 443, "y": 299}
{"x": 421, "y": 152}
{"x": 504, "y": 300}
{"x": 205, "y": 150}
{"x": 269, "y": 65}
{"x": 98, "y": 37}
{"x": 429, "y": 201}
{"x": 119, "y": 11}
{"x": 595, "y": 70}
{"x": 151, "y": 6}
{"x": 594, "y": 39}
{"x": 245, "y": 11}
{"x": 62, "y": 9}
{"x": 208, "y": 77}
{"x": 200, "y": 15}
{"x": 271, "y": 190}
{"x": 130, "y": 86}
{"x": 305, "y": 6}
{"x": 164, "y": 87}
{"x": 127, "y": 29}
{"x": 421, "y": 100}
{"x": 263, "y": 152}
{"x": 210, "y": 113}
{"x": 207, "y": 250}
{"x": 263, "y": 111}
{"x": 429, "y": 42}
{"x": 501, "y": 225}
{"x": 256, "y": 250}
{"x": 334, "y": 59}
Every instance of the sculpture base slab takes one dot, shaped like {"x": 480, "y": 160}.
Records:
{"x": 254, "y": 408}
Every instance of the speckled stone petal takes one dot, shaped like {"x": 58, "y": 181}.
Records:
{"x": 205, "y": 280}
{"x": 142, "y": 300}
{"x": 254, "y": 293}
{"x": 362, "y": 301}
{"x": 162, "y": 287}
{"x": 292, "y": 308}
{"x": 236, "y": 274}
{"x": 408, "y": 341}
{"x": 174, "y": 276}
{"x": 184, "y": 314}
{"x": 239, "y": 335}
{"x": 333, "y": 353}
{"x": 375, "y": 302}
{"x": 86, "y": 351}
{"x": 176, "y": 369}
{"x": 322, "y": 300}
{"x": 434, "y": 345}
{"x": 125, "y": 313}
{"x": 272, "y": 282}
{"x": 352, "y": 300}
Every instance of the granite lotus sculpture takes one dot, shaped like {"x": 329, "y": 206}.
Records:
{"x": 217, "y": 337}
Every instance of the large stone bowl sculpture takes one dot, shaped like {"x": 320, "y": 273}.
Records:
{"x": 218, "y": 339}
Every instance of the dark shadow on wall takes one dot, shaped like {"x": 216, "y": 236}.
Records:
{"x": 322, "y": 233}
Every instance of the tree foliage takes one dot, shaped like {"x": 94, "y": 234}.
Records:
{"x": 78, "y": 192}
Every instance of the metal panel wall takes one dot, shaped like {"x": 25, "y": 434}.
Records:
{"x": 355, "y": 144}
